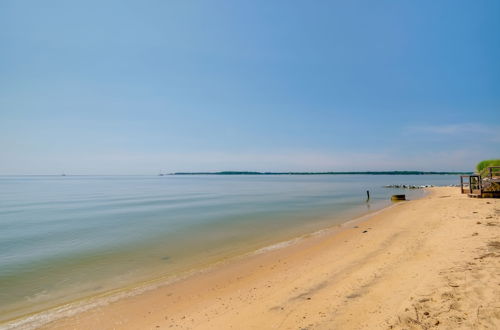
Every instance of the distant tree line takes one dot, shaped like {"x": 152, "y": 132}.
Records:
{"x": 322, "y": 173}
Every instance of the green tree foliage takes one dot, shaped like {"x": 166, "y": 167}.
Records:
{"x": 482, "y": 167}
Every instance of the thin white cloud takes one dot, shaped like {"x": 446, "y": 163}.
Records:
{"x": 489, "y": 132}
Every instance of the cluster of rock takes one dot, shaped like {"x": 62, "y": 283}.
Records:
{"x": 408, "y": 186}
{"x": 412, "y": 186}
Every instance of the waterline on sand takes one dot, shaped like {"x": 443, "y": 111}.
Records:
{"x": 40, "y": 318}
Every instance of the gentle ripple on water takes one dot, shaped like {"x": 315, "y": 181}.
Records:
{"x": 63, "y": 238}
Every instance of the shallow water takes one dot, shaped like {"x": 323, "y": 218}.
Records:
{"x": 63, "y": 238}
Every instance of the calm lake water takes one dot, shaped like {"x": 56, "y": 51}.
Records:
{"x": 64, "y": 238}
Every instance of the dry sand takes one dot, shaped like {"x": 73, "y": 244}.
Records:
{"x": 433, "y": 262}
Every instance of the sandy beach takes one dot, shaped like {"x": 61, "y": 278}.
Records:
{"x": 432, "y": 262}
{"x": 236, "y": 165}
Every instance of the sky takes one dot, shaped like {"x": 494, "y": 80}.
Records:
{"x": 139, "y": 87}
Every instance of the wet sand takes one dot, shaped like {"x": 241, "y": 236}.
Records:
{"x": 432, "y": 262}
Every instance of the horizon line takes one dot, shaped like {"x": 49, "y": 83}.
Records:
{"x": 230, "y": 172}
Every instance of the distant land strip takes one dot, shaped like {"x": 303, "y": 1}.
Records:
{"x": 321, "y": 173}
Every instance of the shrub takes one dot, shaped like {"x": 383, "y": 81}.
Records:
{"x": 482, "y": 167}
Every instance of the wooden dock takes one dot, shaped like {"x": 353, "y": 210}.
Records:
{"x": 482, "y": 185}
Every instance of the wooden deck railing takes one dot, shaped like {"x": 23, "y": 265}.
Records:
{"x": 478, "y": 184}
{"x": 491, "y": 172}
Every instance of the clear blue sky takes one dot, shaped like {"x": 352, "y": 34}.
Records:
{"x": 135, "y": 87}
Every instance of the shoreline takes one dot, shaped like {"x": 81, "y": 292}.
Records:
{"x": 39, "y": 318}
{"x": 396, "y": 269}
